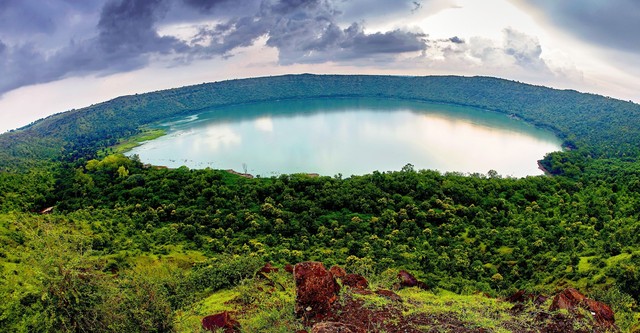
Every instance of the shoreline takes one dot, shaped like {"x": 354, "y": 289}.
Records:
{"x": 544, "y": 170}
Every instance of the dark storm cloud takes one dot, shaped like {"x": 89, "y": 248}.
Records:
{"x": 20, "y": 18}
{"x": 13, "y": 12}
{"x": 208, "y": 5}
{"x": 307, "y": 31}
{"x": 395, "y": 41}
{"x": 614, "y": 23}
{"x": 124, "y": 36}
{"x": 20, "y": 66}
{"x": 228, "y": 36}
{"x": 194, "y": 10}
{"x": 127, "y": 29}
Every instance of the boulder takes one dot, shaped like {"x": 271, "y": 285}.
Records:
{"x": 407, "y": 279}
{"x": 422, "y": 285}
{"x": 316, "y": 290}
{"x": 337, "y": 271}
{"x": 288, "y": 268}
{"x": 389, "y": 294}
{"x": 331, "y": 327}
{"x": 519, "y": 296}
{"x": 221, "y": 320}
{"x": 602, "y": 312}
{"x": 356, "y": 281}
{"x": 268, "y": 268}
{"x": 539, "y": 299}
{"x": 570, "y": 299}
{"x": 522, "y": 296}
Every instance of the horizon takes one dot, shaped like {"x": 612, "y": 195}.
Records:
{"x": 299, "y": 74}
{"x": 58, "y": 56}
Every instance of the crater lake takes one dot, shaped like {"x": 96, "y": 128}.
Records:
{"x": 350, "y": 136}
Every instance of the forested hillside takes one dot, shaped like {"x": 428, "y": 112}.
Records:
{"x": 129, "y": 247}
{"x": 606, "y": 126}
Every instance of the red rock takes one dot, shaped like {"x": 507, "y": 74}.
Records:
{"x": 406, "y": 279}
{"x": 331, "y": 327}
{"x": 221, "y": 320}
{"x": 540, "y": 299}
{"x": 422, "y": 285}
{"x": 355, "y": 281}
{"x": 337, "y": 271}
{"x": 567, "y": 299}
{"x": 602, "y": 312}
{"x": 522, "y": 296}
{"x": 316, "y": 290}
{"x": 268, "y": 268}
{"x": 570, "y": 299}
{"x": 288, "y": 268}
{"x": 389, "y": 294}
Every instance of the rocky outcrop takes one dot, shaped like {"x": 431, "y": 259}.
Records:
{"x": 316, "y": 290}
{"x": 522, "y": 296}
{"x": 356, "y": 281}
{"x": 337, "y": 271}
{"x": 602, "y": 312}
{"x": 320, "y": 311}
{"x": 288, "y": 268}
{"x": 408, "y": 280}
{"x": 570, "y": 299}
{"x": 221, "y": 320}
{"x": 268, "y": 268}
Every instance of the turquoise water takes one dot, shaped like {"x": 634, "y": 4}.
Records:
{"x": 350, "y": 137}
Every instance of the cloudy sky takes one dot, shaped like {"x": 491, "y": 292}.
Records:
{"x": 61, "y": 54}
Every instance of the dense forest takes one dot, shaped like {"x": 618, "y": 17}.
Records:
{"x": 128, "y": 246}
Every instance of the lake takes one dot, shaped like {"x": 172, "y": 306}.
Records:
{"x": 350, "y": 137}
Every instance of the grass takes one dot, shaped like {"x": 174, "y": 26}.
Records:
{"x": 258, "y": 305}
{"x": 189, "y": 320}
{"x": 584, "y": 265}
{"x": 372, "y": 301}
{"x": 174, "y": 254}
{"x": 127, "y": 144}
{"x": 504, "y": 250}
{"x": 477, "y": 310}
{"x": 615, "y": 260}
{"x": 262, "y": 305}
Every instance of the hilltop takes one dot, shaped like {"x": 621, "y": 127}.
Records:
{"x": 123, "y": 246}
{"x": 334, "y": 301}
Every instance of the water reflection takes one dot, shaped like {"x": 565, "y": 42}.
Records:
{"x": 351, "y": 136}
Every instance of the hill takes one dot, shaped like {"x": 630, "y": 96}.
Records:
{"x": 128, "y": 247}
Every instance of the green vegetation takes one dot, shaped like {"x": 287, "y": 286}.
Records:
{"x": 135, "y": 248}
{"x": 260, "y": 307}
{"x": 129, "y": 143}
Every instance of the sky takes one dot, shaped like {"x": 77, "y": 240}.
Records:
{"x": 57, "y": 55}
